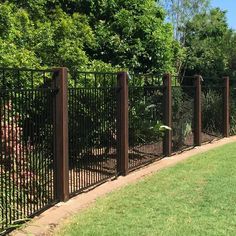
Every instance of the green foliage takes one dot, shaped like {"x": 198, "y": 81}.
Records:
{"x": 145, "y": 116}
{"x": 86, "y": 35}
{"x": 179, "y": 12}
{"x": 232, "y": 108}
{"x": 212, "y": 111}
{"x": 207, "y": 35}
{"x": 58, "y": 40}
{"x": 133, "y": 35}
{"x": 232, "y": 112}
{"x": 91, "y": 120}
{"x": 230, "y": 47}
{"x": 159, "y": 128}
{"x": 208, "y": 44}
{"x": 108, "y": 34}
{"x": 15, "y": 37}
{"x": 183, "y": 113}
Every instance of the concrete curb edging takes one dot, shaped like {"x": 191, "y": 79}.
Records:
{"x": 45, "y": 223}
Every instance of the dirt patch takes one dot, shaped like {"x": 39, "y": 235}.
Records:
{"x": 99, "y": 166}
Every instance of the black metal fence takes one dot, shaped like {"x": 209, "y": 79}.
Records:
{"x": 27, "y": 145}
{"x": 212, "y": 109}
{"x": 92, "y": 129}
{"x": 59, "y": 139}
{"x": 145, "y": 119}
{"x": 183, "y": 113}
{"x": 232, "y": 108}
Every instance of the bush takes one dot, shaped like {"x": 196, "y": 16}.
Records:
{"x": 212, "y": 111}
{"x": 183, "y": 115}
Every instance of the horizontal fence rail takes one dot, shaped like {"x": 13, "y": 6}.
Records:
{"x": 64, "y": 133}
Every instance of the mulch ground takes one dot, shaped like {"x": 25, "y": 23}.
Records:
{"x": 93, "y": 169}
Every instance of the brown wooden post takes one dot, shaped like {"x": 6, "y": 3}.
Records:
{"x": 123, "y": 116}
{"x": 61, "y": 133}
{"x": 198, "y": 111}
{"x": 167, "y": 114}
{"x": 226, "y": 107}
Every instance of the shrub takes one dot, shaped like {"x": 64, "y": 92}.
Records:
{"x": 212, "y": 111}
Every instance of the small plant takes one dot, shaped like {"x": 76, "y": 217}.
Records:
{"x": 183, "y": 108}
{"x": 145, "y": 121}
{"x": 159, "y": 128}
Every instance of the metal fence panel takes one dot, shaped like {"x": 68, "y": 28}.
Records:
{"x": 26, "y": 148}
{"x": 212, "y": 112}
{"x": 183, "y": 99}
{"x": 232, "y": 112}
{"x": 145, "y": 118}
{"x": 92, "y": 131}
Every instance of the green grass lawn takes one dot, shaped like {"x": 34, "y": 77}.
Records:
{"x": 195, "y": 197}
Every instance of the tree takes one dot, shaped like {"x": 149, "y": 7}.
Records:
{"x": 86, "y": 34}
{"x": 132, "y": 34}
{"x": 180, "y": 12}
{"x": 208, "y": 43}
{"x": 230, "y": 46}
{"x": 57, "y": 40}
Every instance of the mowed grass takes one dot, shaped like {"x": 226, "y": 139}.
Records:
{"x": 195, "y": 197}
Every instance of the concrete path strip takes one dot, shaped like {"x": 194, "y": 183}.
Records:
{"x": 48, "y": 220}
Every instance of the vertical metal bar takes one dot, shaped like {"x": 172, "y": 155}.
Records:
{"x": 1, "y": 157}
{"x": 104, "y": 105}
{"x": 97, "y": 94}
{"x": 37, "y": 143}
{"x": 8, "y": 149}
{"x": 6, "y": 213}
{"x": 21, "y": 156}
{"x": 61, "y": 133}
{"x": 32, "y": 154}
{"x": 123, "y": 134}
{"x": 197, "y": 112}
{"x": 16, "y": 155}
{"x": 27, "y": 163}
{"x": 13, "y": 153}
{"x": 226, "y": 107}
{"x": 52, "y": 146}
{"x": 41, "y": 154}
{"x": 85, "y": 96}
{"x": 87, "y": 141}
{"x": 74, "y": 160}
{"x": 79, "y": 149}
{"x": 72, "y": 178}
{"x": 167, "y": 114}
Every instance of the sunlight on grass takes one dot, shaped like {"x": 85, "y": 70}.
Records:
{"x": 196, "y": 197}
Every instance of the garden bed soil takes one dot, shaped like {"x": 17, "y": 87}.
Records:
{"x": 94, "y": 169}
